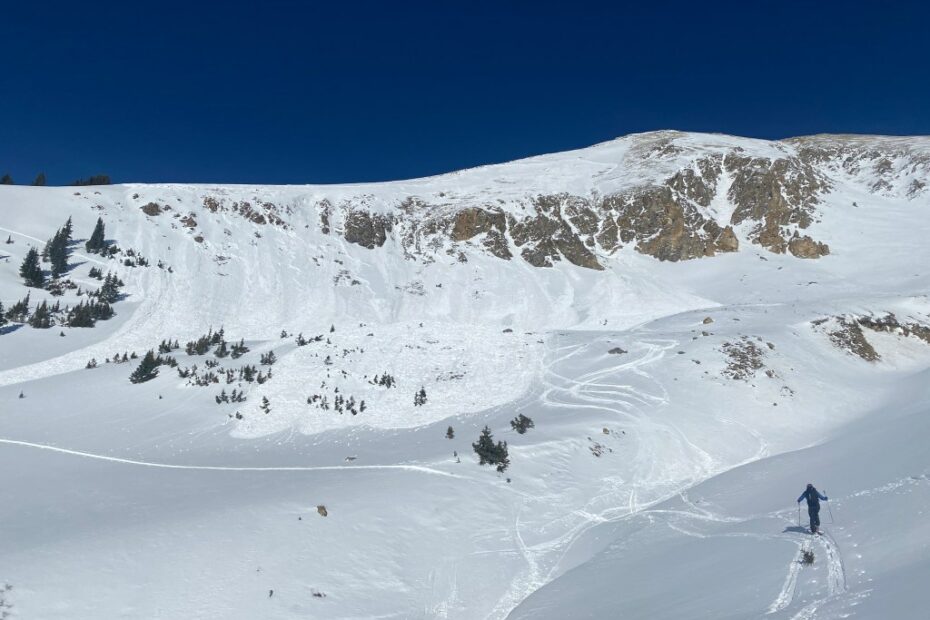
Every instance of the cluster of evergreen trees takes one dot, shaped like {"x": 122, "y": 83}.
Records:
{"x": 57, "y": 252}
{"x": 217, "y": 339}
{"x": 122, "y": 358}
{"x": 246, "y": 373}
{"x": 85, "y": 314}
{"x": 235, "y": 396}
{"x": 148, "y": 367}
{"x": 133, "y": 258}
{"x": 166, "y": 346}
{"x": 203, "y": 344}
{"x": 39, "y": 181}
{"x": 419, "y": 399}
{"x": 301, "y": 341}
{"x": 19, "y": 311}
{"x": 97, "y": 179}
{"x": 239, "y": 349}
{"x": 384, "y": 380}
{"x": 110, "y": 291}
{"x": 340, "y": 403}
{"x": 267, "y": 359}
{"x": 490, "y": 453}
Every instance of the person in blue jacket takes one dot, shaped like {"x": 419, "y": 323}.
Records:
{"x": 813, "y": 497}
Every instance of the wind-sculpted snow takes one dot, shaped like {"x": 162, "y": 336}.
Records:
{"x": 644, "y": 301}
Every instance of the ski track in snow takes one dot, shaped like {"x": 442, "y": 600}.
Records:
{"x": 593, "y": 391}
{"x": 113, "y": 459}
{"x": 786, "y": 596}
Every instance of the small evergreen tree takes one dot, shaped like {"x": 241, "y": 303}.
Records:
{"x": 146, "y": 370}
{"x": 97, "y": 241}
{"x": 490, "y": 453}
{"x": 110, "y": 291}
{"x": 41, "y": 318}
{"x": 419, "y": 398}
{"x": 19, "y": 311}
{"x": 56, "y": 250}
{"x": 3, "y": 320}
{"x": 239, "y": 349}
{"x": 30, "y": 270}
{"x": 450, "y": 433}
{"x": 521, "y": 424}
{"x": 6, "y": 179}
{"x": 39, "y": 180}
{"x": 265, "y": 406}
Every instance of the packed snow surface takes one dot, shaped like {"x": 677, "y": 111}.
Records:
{"x": 679, "y": 410}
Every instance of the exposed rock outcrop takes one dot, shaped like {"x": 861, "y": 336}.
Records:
{"x": 366, "y": 229}
{"x": 473, "y": 221}
{"x": 671, "y": 196}
{"x": 778, "y": 195}
{"x": 805, "y": 247}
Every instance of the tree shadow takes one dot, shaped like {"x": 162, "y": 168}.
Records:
{"x": 9, "y": 329}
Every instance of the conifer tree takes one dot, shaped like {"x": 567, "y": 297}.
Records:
{"x": 6, "y": 179}
{"x": 522, "y": 423}
{"x": 3, "y": 320}
{"x": 56, "y": 250}
{"x": 39, "y": 180}
{"x": 146, "y": 370}
{"x": 30, "y": 270}
{"x": 20, "y": 310}
{"x": 41, "y": 318}
{"x": 450, "y": 433}
{"x": 109, "y": 292}
{"x": 490, "y": 453}
{"x": 97, "y": 241}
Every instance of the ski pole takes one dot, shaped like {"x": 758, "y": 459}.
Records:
{"x": 829, "y": 508}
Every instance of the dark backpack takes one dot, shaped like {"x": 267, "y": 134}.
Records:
{"x": 813, "y": 497}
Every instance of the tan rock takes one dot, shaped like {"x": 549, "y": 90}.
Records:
{"x": 805, "y": 247}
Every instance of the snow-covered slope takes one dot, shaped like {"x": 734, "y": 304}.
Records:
{"x": 697, "y": 324}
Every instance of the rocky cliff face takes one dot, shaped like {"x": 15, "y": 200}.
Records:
{"x": 668, "y": 195}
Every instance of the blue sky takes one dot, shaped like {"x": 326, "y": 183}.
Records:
{"x": 306, "y": 92}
